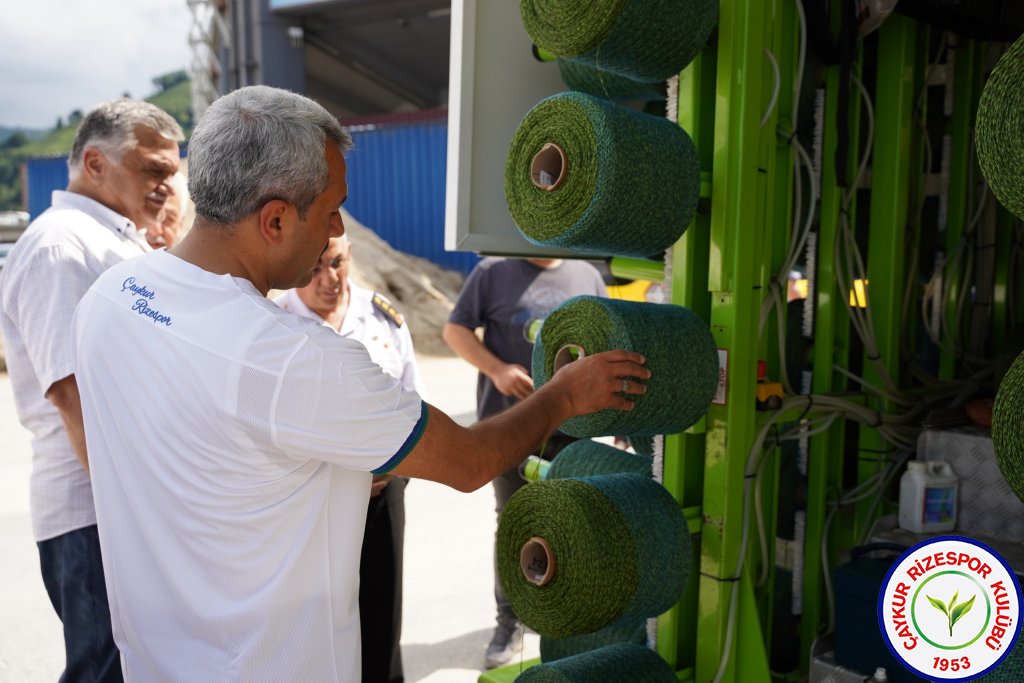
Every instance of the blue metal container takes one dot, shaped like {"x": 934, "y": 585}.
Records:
{"x": 42, "y": 176}
{"x": 396, "y": 180}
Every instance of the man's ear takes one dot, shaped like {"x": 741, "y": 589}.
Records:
{"x": 94, "y": 165}
{"x": 274, "y": 217}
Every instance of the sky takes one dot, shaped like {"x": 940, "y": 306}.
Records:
{"x": 60, "y": 55}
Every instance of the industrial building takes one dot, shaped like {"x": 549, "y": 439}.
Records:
{"x": 833, "y": 193}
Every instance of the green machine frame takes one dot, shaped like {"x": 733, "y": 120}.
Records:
{"x": 735, "y": 105}
{"x": 740, "y": 100}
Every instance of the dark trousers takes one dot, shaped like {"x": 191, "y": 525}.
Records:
{"x": 505, "y": 485}
{"x": 380, "y": 585}
{"x": 73, "y": 576}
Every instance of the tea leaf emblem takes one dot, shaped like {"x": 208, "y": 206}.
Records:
{"x": 954, "y": 612}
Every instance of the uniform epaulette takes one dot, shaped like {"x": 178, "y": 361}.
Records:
{"x": 381, "y": 303}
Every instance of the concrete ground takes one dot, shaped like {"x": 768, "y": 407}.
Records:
{"x": 449, "y": 603}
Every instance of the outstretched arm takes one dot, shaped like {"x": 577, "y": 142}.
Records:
{"x": 466, "y": 458}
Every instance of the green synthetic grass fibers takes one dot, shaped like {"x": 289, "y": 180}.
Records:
{"x": 620, "y": 663}
{"x": 647, "y": 41}
{"x": 680, "y": 352}
{"x": 608, "y": 84}
{"x": 619, "y": 547}
{"x": 1008, "y": 426}
{"x": 1000, "y": 129}
{"x": 552, "y": 649}
{"x": 628, "y": 185}
{"x": 587, "y": 458}
{"x": 1010, "y": 670}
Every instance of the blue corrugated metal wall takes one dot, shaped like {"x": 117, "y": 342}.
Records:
{"x": 43, "y": 176}
{"x": 396, "y": 179}
{"x": 396, "y": 185}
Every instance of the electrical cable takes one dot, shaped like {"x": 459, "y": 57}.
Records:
{"x": 899, "y": 429}
{"x": 896, "y": 466}
{"x": 801, "y": 61}
{"x": 835, "y": 507}
{"x": 889, "y": 427}
{"x": 915, "y": 242}
{"x": 775, "y": 87}
{"x": 826, "y": 578}
{"x": 894, "y": 398}
{"x": 804, "y": 431}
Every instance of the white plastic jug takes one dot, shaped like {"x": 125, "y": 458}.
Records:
{"x": 928, "y": 497}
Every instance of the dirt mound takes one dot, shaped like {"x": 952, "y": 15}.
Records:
{"x": 422, "y": 291}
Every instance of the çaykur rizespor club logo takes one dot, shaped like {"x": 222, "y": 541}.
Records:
{"x": 949, "y": 608}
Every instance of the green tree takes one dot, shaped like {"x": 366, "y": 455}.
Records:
{"x": 16, "y": 140}
{"x": 170, "y": 80}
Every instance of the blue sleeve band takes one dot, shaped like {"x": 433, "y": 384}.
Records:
{"x": 410, "y": 442}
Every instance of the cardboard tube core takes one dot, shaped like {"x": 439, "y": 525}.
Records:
{"x": 537, "y": 561}
{"x": 566, "y": 355}
{"x": 549, "y": 166}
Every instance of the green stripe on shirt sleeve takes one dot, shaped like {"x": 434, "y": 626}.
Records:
{"x": 410, "y": 442}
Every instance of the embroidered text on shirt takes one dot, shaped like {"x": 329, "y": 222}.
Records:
{"x": 141, "y": 290}
{"x": 142, "y": 308}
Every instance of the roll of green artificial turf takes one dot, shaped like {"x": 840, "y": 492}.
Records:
{"x": 647, "y": 41}
{"x": 608, "y": 84}
{"x": 1008, "y": 426}
{"x": 589, "y": 175}
{"x": 680, "y": 352}
{"x": 1000, "y": 129}
{"x": 620, "y": 663}
{"x": 585, "y": 458}
{"x": 578, "y": 555}
{"x": 552, "y": 649}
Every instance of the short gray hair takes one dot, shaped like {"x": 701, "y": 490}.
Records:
{"x": 110, "y": 128}
{"x": 257, "y": 144}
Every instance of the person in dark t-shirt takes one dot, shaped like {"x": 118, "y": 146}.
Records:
{"x": 509, "y": 299}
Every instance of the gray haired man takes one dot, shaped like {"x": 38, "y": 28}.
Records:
{"x": 123, "y": 155}
{"x": 232, "y": 514}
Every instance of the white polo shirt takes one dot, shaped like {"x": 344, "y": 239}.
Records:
{"x": 46, "y": 274}
{"x": 232, "y": 474}
{"x": 389, "y": 345}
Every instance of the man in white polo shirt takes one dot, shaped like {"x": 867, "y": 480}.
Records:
{"x": 231, "y": 478}
{"x": 123, "y": 154}
{"x": 333, "y": 299}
